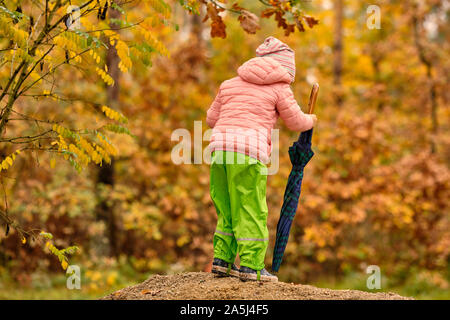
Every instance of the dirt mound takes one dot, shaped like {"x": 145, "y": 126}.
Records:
{"x": 206, "y": 286}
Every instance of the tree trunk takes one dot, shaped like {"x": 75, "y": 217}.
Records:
{"x": 427, "y": 62}
{"x": 105, "y": 210}
{"x": 337, "y": 48}
{"x": 376, "y": 60}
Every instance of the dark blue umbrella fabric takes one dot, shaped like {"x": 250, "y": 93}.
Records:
{"x": 300, "y": 153}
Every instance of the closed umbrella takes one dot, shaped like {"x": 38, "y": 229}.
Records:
{"x": 300, "y": 153}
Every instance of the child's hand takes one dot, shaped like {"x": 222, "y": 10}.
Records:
{"x": 314, "y": 118}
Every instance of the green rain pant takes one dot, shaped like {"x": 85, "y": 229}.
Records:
{"x": 238, "y": 190}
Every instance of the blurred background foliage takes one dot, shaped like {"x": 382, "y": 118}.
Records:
{"x": 376, "y": 192}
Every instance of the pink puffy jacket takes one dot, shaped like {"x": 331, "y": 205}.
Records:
{"x": 247, "y": 107}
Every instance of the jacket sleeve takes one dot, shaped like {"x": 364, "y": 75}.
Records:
{"x": 213, "y": 112}
{"x": 290, "y": 111}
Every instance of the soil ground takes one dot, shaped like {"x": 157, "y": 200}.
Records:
{"x": 207, "y": 286}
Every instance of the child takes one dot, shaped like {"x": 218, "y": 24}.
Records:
{"x": 243, "y": 115}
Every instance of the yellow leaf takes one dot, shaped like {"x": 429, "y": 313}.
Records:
{"x": 24, "y": 240}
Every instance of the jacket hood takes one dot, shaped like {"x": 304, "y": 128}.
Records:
{"x": 264, "y": 70}
{"x": 280, "y": 51}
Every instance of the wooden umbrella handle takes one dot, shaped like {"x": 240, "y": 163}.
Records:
{"x": 313, "y": 98}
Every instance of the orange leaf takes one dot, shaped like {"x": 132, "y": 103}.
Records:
{"x": 249, "y": 22}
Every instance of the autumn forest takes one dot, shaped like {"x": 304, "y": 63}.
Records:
{"x": 91, "y": 92}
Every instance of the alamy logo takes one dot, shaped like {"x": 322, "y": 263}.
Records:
{"x": 241, "y": 140}
{"x": 374, "y": 19}
{"x": 73, "y": 18}
{"x": 74, "y": 279}
{"x": 373, "y": 281}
